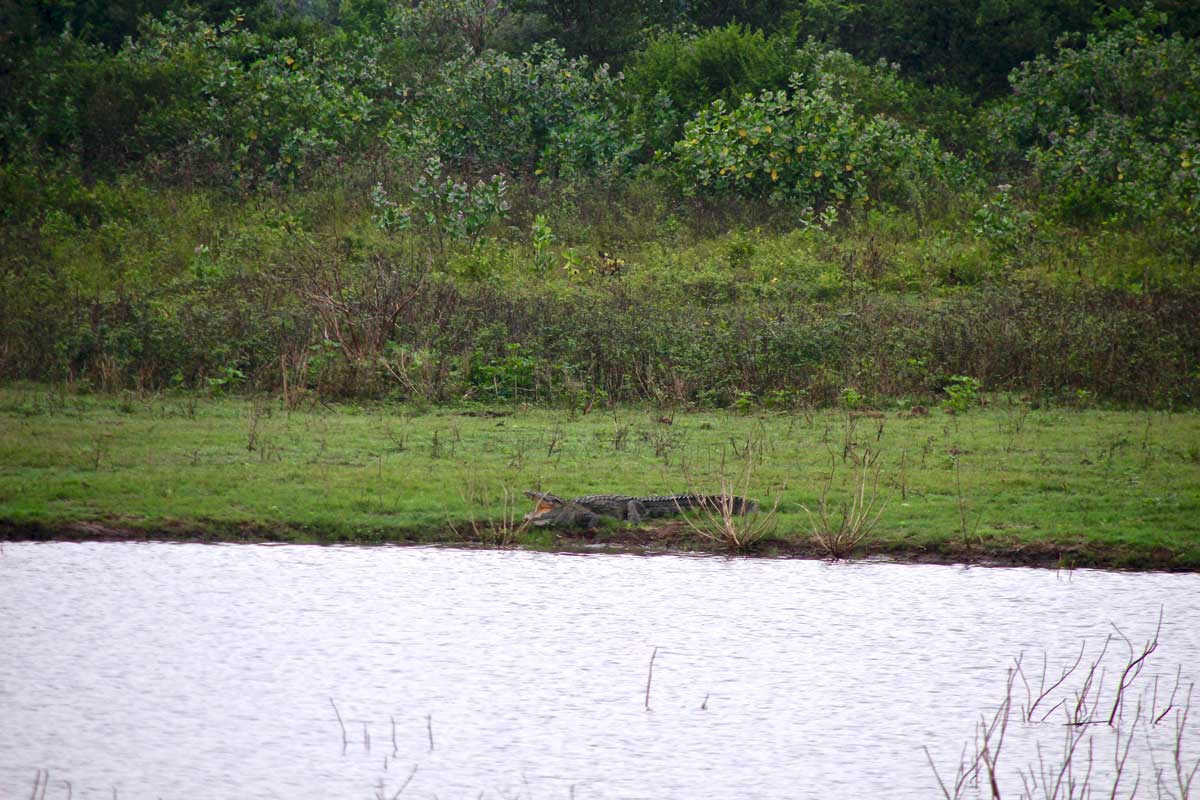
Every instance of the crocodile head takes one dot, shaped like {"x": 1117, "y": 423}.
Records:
{"x": 548, "y": 509}
{"x": 552, "y": 510}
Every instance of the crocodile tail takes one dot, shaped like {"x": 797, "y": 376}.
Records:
{"x": 717, "y": 502}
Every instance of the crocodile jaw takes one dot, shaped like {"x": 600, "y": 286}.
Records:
{"x": 543, "y": 514}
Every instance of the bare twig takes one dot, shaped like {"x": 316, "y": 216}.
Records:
{"x": 650, "y": 677}
{"x": 961, "y": 775}
{"x": 1184, "y": 775}
{"x": 1071, "y": 774}
{"x": 992, "y": 734}
{"x": 342, "y": 725}
{"x": 1045, "y": 691}
{"x": 1134, "y": 667}
{"x": 499, "y": 532}
{"x": 407, "y": 781}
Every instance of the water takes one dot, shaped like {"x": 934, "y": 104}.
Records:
{"x": 196, "y": 671}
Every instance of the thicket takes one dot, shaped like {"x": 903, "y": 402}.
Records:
{"x": 463, "y": 199}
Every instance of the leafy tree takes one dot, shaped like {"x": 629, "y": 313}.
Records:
{"x": 449, "y": 26}
{"x": 1112, "y": 129}
{"x": 690, "y": 72}
{"x": 972, "y": 44}
{"x": 810, "y": 148}
{"x": 540, "y": 111}
{"x": 202, "y": 101}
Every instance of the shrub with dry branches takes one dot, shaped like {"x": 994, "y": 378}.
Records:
{"x": 838, "y": 533}
{"x": 358, "y": 303}
{"x": 488, "y": 529}
{"x": 728, "y": 518}
{"x": 1085, "y": 711}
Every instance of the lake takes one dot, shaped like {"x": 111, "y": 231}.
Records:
{"x": 152, "y": 670}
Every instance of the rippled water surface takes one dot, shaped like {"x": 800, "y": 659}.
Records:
{"x": 193, "y": 671}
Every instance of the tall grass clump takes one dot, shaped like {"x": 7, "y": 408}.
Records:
{"x": 729, "y": 518}
{"x": 838, "y": 530}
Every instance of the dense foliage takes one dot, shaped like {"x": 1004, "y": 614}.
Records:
{"x": 1112, "y": 130}
{"x": 810, "y": 148}
{"x": 717, "y": 203}
{"x": 539, "y": 113}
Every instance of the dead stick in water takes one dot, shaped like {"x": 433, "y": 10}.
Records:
{"x": 395, "y": 749}
{"x": 404, "y": 786}
{"x": 341, "y": 724}
{"x": 429, "y": 727}
{"x": 650, "y": 677}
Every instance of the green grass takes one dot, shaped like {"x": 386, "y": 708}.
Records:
{"x": 1113, "y": 488}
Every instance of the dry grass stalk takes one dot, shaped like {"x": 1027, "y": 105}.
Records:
{"x": 1072, "y": 775}
{"x": 837, "y": 534}
{"x": 502, "y": 531}
{"x": 341, "y": 724}
{"x": 729, "y": 518}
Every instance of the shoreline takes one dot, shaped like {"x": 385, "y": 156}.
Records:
{"x": 670, "y": 539}
{"x": 999, "y": 484}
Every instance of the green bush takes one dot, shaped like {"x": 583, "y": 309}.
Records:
{"x": 542, "y": 113}
{"x": 450, "y": 209}
{"x": 810, "y": 148}
{"x": 677, "y": 75}
{"x": 199, "y": 101}
{"x": 1112, "y": 129}
{"x": 690, "y": 72}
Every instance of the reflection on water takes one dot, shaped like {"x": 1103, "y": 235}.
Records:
{"x": 193, "y": 671}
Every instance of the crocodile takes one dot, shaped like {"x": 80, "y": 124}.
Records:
{"x": 585, "y": 512}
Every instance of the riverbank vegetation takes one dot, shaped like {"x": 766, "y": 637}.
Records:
{"x": 251, "y": 256}
{"x": 778, "y": 205}
{"x": 999, "y": 482}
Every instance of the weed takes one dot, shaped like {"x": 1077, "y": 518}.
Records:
{"x": 487, "y": 528}
{"x": 100, "y": 451}
{"x": 1015, "y": 417}
{"x": 966, "y": 531}
{"x": 839, "y": 533}
{"x": 664, "y": 441}
{"x": 1082, "y": 711}
{"x": 620, "y": 435}
{"x": 962, "y": 392}
{"x": 728, "y": 518}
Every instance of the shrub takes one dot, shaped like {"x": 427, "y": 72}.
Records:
{"x": 206, "y": 102}
{"x": 268, "y": 109}
{"x": 810, "y": 148}
{"x": 542, "y": 112}
{"x": 1112, "y": 129}
{"x": 690, "y": 72}
{"x": 676, "y": 76}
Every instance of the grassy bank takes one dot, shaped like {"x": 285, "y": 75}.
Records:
{"x": 999, "y": 481}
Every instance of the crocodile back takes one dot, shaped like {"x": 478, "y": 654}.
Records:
{"x": 552, "y": 510}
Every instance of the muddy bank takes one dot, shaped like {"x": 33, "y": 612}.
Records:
{"x": 673, "y": 537}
